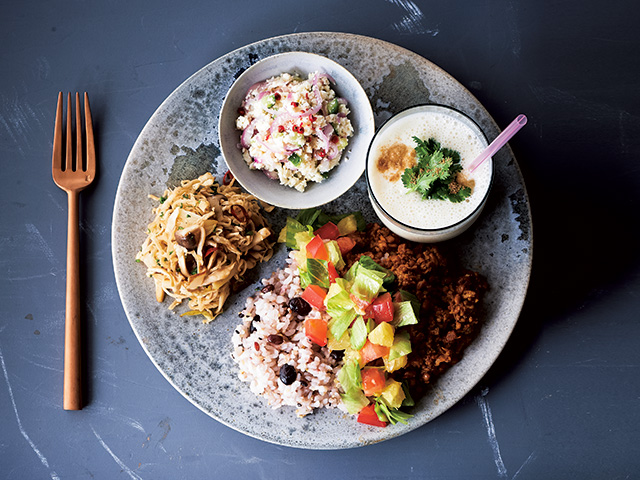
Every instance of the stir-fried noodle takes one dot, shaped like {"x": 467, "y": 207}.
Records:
{"x": 204, "y": 237}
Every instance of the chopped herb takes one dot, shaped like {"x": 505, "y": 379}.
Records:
{"x": 163, "y": 199}
{"x": 188, "y": 216}
{"x": 436, "y": 174}
{"x": 138, "y": 260}
{"x": 161, "y": 214}
{"x": 295, "y": 159}
{"x": 393, "y": 414}
{"x": 194, "y": 271}
{"x": 185, "y": 195}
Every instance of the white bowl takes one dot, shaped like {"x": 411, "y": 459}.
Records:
{"x": 405, "y": 212}
{"x": 352, "y": 163}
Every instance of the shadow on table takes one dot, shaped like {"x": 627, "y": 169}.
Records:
{"x": 585, "y": 245}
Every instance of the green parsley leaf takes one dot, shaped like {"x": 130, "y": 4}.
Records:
{"x": 435, "y": 174}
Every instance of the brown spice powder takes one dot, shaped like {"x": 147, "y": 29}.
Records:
{"x": 394, "y": 159}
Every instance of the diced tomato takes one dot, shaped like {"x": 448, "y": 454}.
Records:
{"x": 316, "y": 249}
{"x": 371, "y": 351}
{"x": 373, "y": 381}
{"x": 314, "y": 296}
{"x": 381, "y": 309}
{"x": 329, "y": 231}
{"x": 360, "y": 303}
{"x": 333, "y": 273}
{"x": 369, "y": 416}
{"x": 316, "y": 330}
{"x": 345, "y": 244}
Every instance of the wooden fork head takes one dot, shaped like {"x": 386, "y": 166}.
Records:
{"x": 78, "y": 169}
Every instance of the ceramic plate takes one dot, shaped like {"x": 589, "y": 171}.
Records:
{"x": 180, "y": 142}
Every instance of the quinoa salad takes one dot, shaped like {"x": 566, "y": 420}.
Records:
{"x": 295, "y": 130}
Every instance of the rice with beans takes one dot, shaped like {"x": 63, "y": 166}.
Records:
{"x": 271, "y": 336}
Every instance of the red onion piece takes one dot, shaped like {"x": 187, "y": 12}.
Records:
{"x": 333, "y": 151}
{"x": 247, "y": 133}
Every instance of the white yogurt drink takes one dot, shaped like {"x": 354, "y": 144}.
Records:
{"x": 392, "y": 150}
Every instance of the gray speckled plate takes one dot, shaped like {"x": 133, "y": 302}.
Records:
{"x": 180, "y": 141}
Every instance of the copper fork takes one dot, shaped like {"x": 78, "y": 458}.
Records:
{"x": 73, "y": 174}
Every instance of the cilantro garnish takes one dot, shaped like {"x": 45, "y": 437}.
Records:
{"x": 393, "y": 415}
{"x": 435, "y": 176}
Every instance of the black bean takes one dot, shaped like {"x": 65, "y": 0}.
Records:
{"x": 268, "y": 288}
{"x": 275, "y": 339}
{"x": 300, "y": 306}
{"x": 252, "y": 327}
{"x": 288, "y": 374}
{"x": 337, "y": 355}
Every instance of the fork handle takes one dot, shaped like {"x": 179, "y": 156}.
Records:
{"x": 72, "y": 394}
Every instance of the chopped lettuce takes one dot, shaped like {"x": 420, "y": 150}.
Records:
{"x": 410, "y": 297}
{"x": 340, "y": 322}
{"x": 369, "y": 263}
{"x": 403, "y": 314}
{"x": 367, "y": 284}
{"x": 315, "y": 218}
{"x": 401, "y": 345}
{"x": 350, "y": 381}
{"x": 359, "y": 333}
{"x": 335, "y": 256}
{"x": 290, "y": 230}
{"x": 341, "y": 309}
{"x": 354, "y": 401}
{"x": 308, "y": 216}
{"x": 316, "y": 273}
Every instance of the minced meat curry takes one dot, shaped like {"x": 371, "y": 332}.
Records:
{"x": 450, "y": 296}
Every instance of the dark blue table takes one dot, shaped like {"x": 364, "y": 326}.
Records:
{"x": 562, "y": 401}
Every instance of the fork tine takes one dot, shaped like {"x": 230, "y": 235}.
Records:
{"x": 69, "y": 164}
{"x": 56, "y": 160}
{"x": 91, "y": 148}
{"x": 79, "y": 162}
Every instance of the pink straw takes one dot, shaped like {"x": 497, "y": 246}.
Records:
{"x": 499, "y": 142}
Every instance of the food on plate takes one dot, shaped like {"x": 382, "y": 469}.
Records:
{"x": 418, "y": 173}
{"x": 358, "y": 319}
{"x": 205, "y": 236}
{"x": 294, "y": 129}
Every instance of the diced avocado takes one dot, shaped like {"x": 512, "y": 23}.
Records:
{"x": 301, "y": 258}
{"x": 302, "y": 238}
{"x": 347, "y": 225}
{"x": 395, "y": 364}
{"x": 335, "y": 256}
{"x": 282, "y": 237}
{"x": 382, "y": 335}
{"x": 338, "y": 344}
{"x": 393, "y": 394}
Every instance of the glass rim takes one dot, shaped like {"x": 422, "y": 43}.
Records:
{"x": 401, "y": 224}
